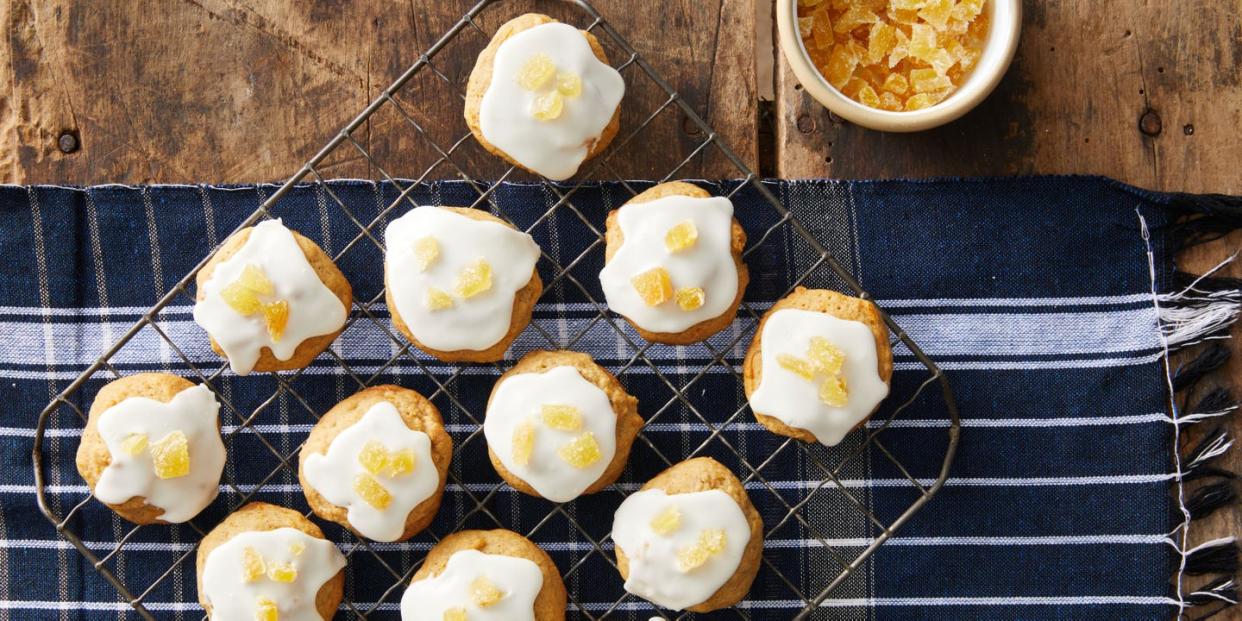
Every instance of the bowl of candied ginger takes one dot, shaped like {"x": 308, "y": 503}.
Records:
{"x": 899, "y": 65}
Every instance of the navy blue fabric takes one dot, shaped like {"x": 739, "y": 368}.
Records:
{"x": 1034, "y": 294}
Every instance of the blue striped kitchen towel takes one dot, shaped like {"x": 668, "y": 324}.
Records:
{"x": 1051, "y": 303}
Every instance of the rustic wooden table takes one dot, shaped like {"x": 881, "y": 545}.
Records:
{"x": 246, "y": 90}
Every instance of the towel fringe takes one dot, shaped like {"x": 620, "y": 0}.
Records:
{"x": 1218, "y": 556}
{"x": 1215, "y": 404}
{"x": 1207, "y": 499}
{"x": 1213, "y": 445}
{"x": 1202, "y": 218}
{"x": 1210, "y": 358}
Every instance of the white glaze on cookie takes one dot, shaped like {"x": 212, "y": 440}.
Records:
{"x": 518, "y": 579}
{"x": 654, "y": 572}
{"x": 795, "y": 401}
{"x": 472, "y": 324}
{"x": 313, "y": 309}
{"x": 232, "y": 597}
{"x": 192, "y": 411}
{"x": 520, "y": 398}
{"x": 708, "y": 264}
{"x": 332, "y": 474}
{"x": 556, "y": 148}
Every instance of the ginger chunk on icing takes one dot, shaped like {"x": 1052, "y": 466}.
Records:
{"x": 437, "y": 299}
{"x": 823, "y": 363}
{"x": 134, "y": 443}
{"x": 245, "y": 296}
{"x": 682, "y": 236}
{"x": 266, "y": 610}
{"x": 454, "y": 614}
{"x": 474, "y": 279}
{"x": 253, "y": 566}
{"x": 581, "y": 452}
{"x": 276, "y": 314}
{"x": 548, "y": 106}
{"x": 284, "y": 573}
{"x": 711, "y": 542}
{"x": 426, "y": 251}
{"x": 666, "y": 521}
{"x": 523, "y": 443}
{"x": 371, "y": 491}
{"x": 536, "y": 72}
{"x": 690, "y": 298}
{"x": 379, "y": 460}
{"x": 561, "y": 417}
{"x": 170, "y": 456}
{"x": 654, "y": 286}
{"x": 568, "y": 84}
{"x": 484, "y": 593}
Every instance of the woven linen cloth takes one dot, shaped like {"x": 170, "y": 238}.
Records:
{"x": 1037, "y": 296}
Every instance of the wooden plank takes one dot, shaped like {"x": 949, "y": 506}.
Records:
{"x": 247, "y": 90}
{"x": 1086, "y": 73}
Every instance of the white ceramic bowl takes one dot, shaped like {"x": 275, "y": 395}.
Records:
{"x": 1005, "y": 22}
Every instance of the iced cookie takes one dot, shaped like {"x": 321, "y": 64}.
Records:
{"x": 376, "y": 463}
{"x": 543, "y": 96}
{"x": 151, "y": 450}
{"x": 558, "y": 425}
{"x": 270, "y": 299}
{"x": 460, "y": 283}
{"x": 485, "y": 575}
{"x": 819, "y": 365}
{"x": 690, "y": 539}
{"x": 673, "y": 263}
{"x": 269, "y": 563}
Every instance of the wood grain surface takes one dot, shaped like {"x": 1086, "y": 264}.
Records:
{"x": 149, "y": 91}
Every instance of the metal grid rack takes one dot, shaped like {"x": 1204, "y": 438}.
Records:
{"x": 64, "y": 412}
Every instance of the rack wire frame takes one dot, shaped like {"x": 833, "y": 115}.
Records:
{"x": 364, "y": 311}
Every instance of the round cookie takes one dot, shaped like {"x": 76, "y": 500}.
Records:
{"x": 94, "y": 457}
{"x": 481, "y": 79}
{"x": 523, "y": 305}
{"x": 326, "y": 271}
{"x": 703, "y": 474}
{"x": 614, "y": 238}
{"x": 549, "y": 603}
{"x": 830, "y": 303}
{"x": 623, "y": 405}
{"x": 417, "y": 413}
{"x": 263, "y": 517}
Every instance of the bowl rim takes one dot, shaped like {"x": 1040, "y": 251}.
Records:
{"x": 952, "y": 108}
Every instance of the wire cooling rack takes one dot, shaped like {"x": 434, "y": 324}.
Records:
{"x": 391, "y": 565}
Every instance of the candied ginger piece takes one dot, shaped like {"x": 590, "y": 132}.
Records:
{"x": 936, "y": 13}
{"x": 666, "y": 521}
{"x": 282, "y": 572}
{"x": 276, "y": 314}
{"x": 896, "y": 83}
{"x": 171, "y": 456}
{"x": 905, "y": 17}
{"x": 821, "y": 31}
{"x": 536, "y": 72}
{"x": 523, "y": 443}
{"x": 691, "y": 558}
{"x": 867, "y": 97}
{"x": 400, "y": 463}
{"x": 833, "y": 392}
{"x": 454, "y": 614}
{"x": 840, "y": 66}
{"x": 805, "y": 24}
{"x": 919, "y": 101}
{"x": 297, "y": 548}
{"x": 907, "y": 5}
{"x": 941, "y": 61}
{"x": 653, "y": 286}
{"x": 437, "y": 299}
{"x": 134, "y": 443}
{"x": 681, "y": 236}
{"x": 854, "y": 17}
{"x": 581, "y": 452}
{"x": 852, "y": 87}
{"x": 928, "y": 81}
{"x": 690, "y": 298}
{"x": 373, "y": 457}
{"x": 796, "y": 365}
{"x": 890, "y": 102}
{"x": 241, "y": 299}
{"x": 371, "y": 491}
{"x": 900, "y": 51}
{"x": 266, "y": 610}
{"x": 808, "y": 3}
{"x": 922, "y": 42}
{"x": 426, "y": 251}
{"x": 967, "y": 10}
{"x": 484, "y": 592}
{"x": 561, "y": 417}
{"x": 548, "y": 106}
{"x": 253, "y": 278}
{"x": 568, "y": 84}
{"x": 825, "y": 356}
{"x": 474, "y": 279}
{"x": 713, "y": 540}
{"x": 881, "y": 40}
{"x": 253, "y": 566}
